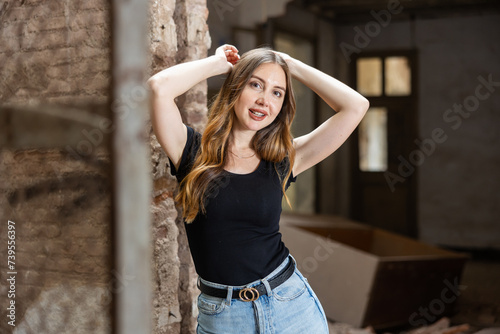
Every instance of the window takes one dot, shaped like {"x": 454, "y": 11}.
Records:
{"x": 369, "y": 76}
{"x": 382, "y": 78}
{"x": 397, "y": 76}
{"x": 373, "y": 141}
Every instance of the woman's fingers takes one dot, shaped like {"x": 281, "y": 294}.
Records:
{"x": 230, "y": 47}
{"x": 283, "y": 55}
{"x": 232, "y": 55}
{"x": 227, "y": 48}
{"x": 230, "y": 52}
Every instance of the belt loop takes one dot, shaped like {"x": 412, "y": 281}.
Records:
{"x": 229, "y": 295}
{"x": 293, "y": 260}
{"x": 269, "y": 291}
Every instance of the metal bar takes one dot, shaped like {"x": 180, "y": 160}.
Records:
{"x": 131, "y": 166}
{"x": 80, "y": 131}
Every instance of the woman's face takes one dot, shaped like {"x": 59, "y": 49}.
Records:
{"x": 261, "y": 99}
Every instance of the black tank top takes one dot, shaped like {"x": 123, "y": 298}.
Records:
{"x": 237, "y": 241}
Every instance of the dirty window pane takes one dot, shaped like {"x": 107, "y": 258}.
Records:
{"x": 373, "y": 141}
{"x": 397, "y": 76}
{"x": 369, "y": 76}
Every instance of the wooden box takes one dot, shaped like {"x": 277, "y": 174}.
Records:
{"x": 366, "y": 276}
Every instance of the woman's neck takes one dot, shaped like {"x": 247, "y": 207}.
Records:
{"x": 242, "y": 158}
{"x": 241, "y": 140}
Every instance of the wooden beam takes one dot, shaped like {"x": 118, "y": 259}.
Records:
{"x": 131, "y": 168}
{"x": 79, "y": 130}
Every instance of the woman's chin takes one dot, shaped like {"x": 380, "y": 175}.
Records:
{"x": 252, "y": 126}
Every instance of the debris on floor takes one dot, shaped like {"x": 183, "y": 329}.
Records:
{"x": 342, "y": 328}
{"x": 442, "y": 326}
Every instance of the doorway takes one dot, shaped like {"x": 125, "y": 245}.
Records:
{"x": 380, "y": 196}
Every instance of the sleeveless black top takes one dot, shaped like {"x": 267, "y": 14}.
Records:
{"x": 237, "y": 241}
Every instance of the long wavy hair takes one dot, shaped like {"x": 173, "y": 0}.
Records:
{"x": 273, "y": 143}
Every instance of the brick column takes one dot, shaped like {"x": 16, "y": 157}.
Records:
{"x": 58, "y": 52}
{"x": 179, "y": 33}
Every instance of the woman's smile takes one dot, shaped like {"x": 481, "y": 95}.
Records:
{"x": 257, "y": 114}
{"x": 262, "y": 98}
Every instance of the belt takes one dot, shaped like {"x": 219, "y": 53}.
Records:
{"x": 253, "y": 293}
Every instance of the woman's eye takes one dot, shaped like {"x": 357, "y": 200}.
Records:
{"x": 255, "y": 84}
{"x": 278, "y": 93}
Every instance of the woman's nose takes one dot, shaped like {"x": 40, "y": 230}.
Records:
{"x": 262, "y": 100}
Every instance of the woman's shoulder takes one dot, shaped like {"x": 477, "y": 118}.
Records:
{"x": 193, "y": 138}
{"x": 193, "y": 142}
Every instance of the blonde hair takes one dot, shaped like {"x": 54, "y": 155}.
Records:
{"x": 273, "y": 143}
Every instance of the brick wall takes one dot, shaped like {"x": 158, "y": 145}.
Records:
{"x": 61, "y": 210}
{"x": 58, "y": 52}
{"x": 55, "y": 51}
{"x": 179, "y": 33}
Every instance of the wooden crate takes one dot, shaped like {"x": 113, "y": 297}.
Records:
{"x": 366, "y": 276}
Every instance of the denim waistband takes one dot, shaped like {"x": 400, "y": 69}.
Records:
{"x": 264, "y": 280}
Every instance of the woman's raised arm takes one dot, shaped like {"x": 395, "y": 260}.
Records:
{"x": 350, "y": 107}
{"x": 174, "y": 81}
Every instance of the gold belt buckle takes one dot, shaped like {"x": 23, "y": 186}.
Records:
{"x": 249, "y": 294}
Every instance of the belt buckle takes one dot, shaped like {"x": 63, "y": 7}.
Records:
{"x": 249, "y": 294}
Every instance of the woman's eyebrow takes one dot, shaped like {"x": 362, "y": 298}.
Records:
{"x": 259, "y": 78}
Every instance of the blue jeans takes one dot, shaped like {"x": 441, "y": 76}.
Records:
{"x": 291, "y": 308}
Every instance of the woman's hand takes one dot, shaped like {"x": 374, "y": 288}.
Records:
{"x": 283, "y": 55}
{"x": 228, "y": 54}
{"x": 289, "y": 61}
{"x": 174, "y": 81}
{"x": 349, "y": 105}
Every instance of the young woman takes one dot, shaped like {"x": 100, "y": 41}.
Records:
{"x": 234, "y": 176}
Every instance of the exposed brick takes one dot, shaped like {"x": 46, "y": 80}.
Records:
{"x": 14, "y": 31}
{"x": 56, "y": 51}
{"x": 170, "y": 44}
{"x": 51, "y": 40}
{"x": 32, "y": 3}
{"x": 31, "y": 261}
{"x": 85, "y": 19}
{"x": 46, "y": 254}
{"x": 91, "y": 5}
{"x": 54, "y": 24}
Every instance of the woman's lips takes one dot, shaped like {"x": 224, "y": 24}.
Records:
{"x": 257, "y": 114}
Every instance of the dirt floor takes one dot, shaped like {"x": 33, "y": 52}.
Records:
{"x": 479, "y": 304}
